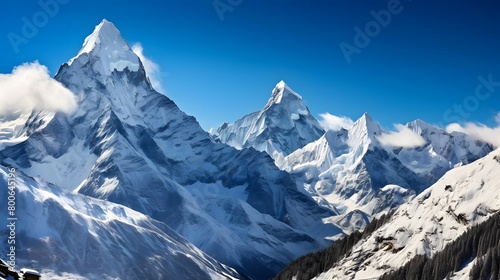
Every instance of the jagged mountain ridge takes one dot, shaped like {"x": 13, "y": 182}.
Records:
{"x": 131, "y": 145}
{"x": 358, "y": 176}
{"x": 350, "y": 171}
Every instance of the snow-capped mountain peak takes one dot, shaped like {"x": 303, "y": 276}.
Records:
{"x": 367, "y": 123}
{"x": 104, "y": 34}
{"x": 281, "y": 127}
{"x": 364, "y": 131}
{"x": 106, "y": 45}
{"x": 284, "y": 107}
{"x": 421, "y": 127}
{"x": 282, "y": 91}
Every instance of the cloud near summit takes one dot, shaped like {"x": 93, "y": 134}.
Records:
{"x": 30, "y": 87}
{"x": 403, "y": 137}
{"x": 151, "y": 67}
{"x": 332, "y": 122}
{"x": 479, "y": 131}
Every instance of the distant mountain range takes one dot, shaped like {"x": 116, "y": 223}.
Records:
{"x": 349, "y": 171}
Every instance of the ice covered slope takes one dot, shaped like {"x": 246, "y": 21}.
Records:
{"x": 463, "y": 197}
{"x": 62, "y": 233}
{"x": 131, "y": 145}
{"x": 358, "y": 176}
{"x": 281, "y": 127}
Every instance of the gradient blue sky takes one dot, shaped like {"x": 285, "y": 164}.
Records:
{"x": 426, "y": 60}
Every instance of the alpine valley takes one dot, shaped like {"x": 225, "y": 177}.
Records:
{"x": 130, "y": 187}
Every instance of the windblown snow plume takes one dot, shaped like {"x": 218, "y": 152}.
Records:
{"x": 29, "y": 87}
{"x": 152, "y": 69}
{"x": 334, "y": 123}
{"x": 403, "y": 137}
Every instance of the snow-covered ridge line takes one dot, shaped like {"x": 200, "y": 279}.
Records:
{"x": 473, "y": 255}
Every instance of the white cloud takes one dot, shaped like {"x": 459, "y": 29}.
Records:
{"x": 403, "y": 137}
{"x": 30, "y": 87}
{"x": 332, "y": 122}
{"x": 152, "y": 69}
{"x": 479, "y": 131}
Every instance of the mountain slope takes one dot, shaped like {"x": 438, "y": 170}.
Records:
{"x": 473, "y": 255}
{"x": 463, "y": 197}
{"x": 281, "y": 127}
{"x": 313, "y": 264}
{"x": 88, "y": 238}
{"x": 131, "y": 145}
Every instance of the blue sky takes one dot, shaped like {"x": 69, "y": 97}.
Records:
{"x": 422, "y": 64}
